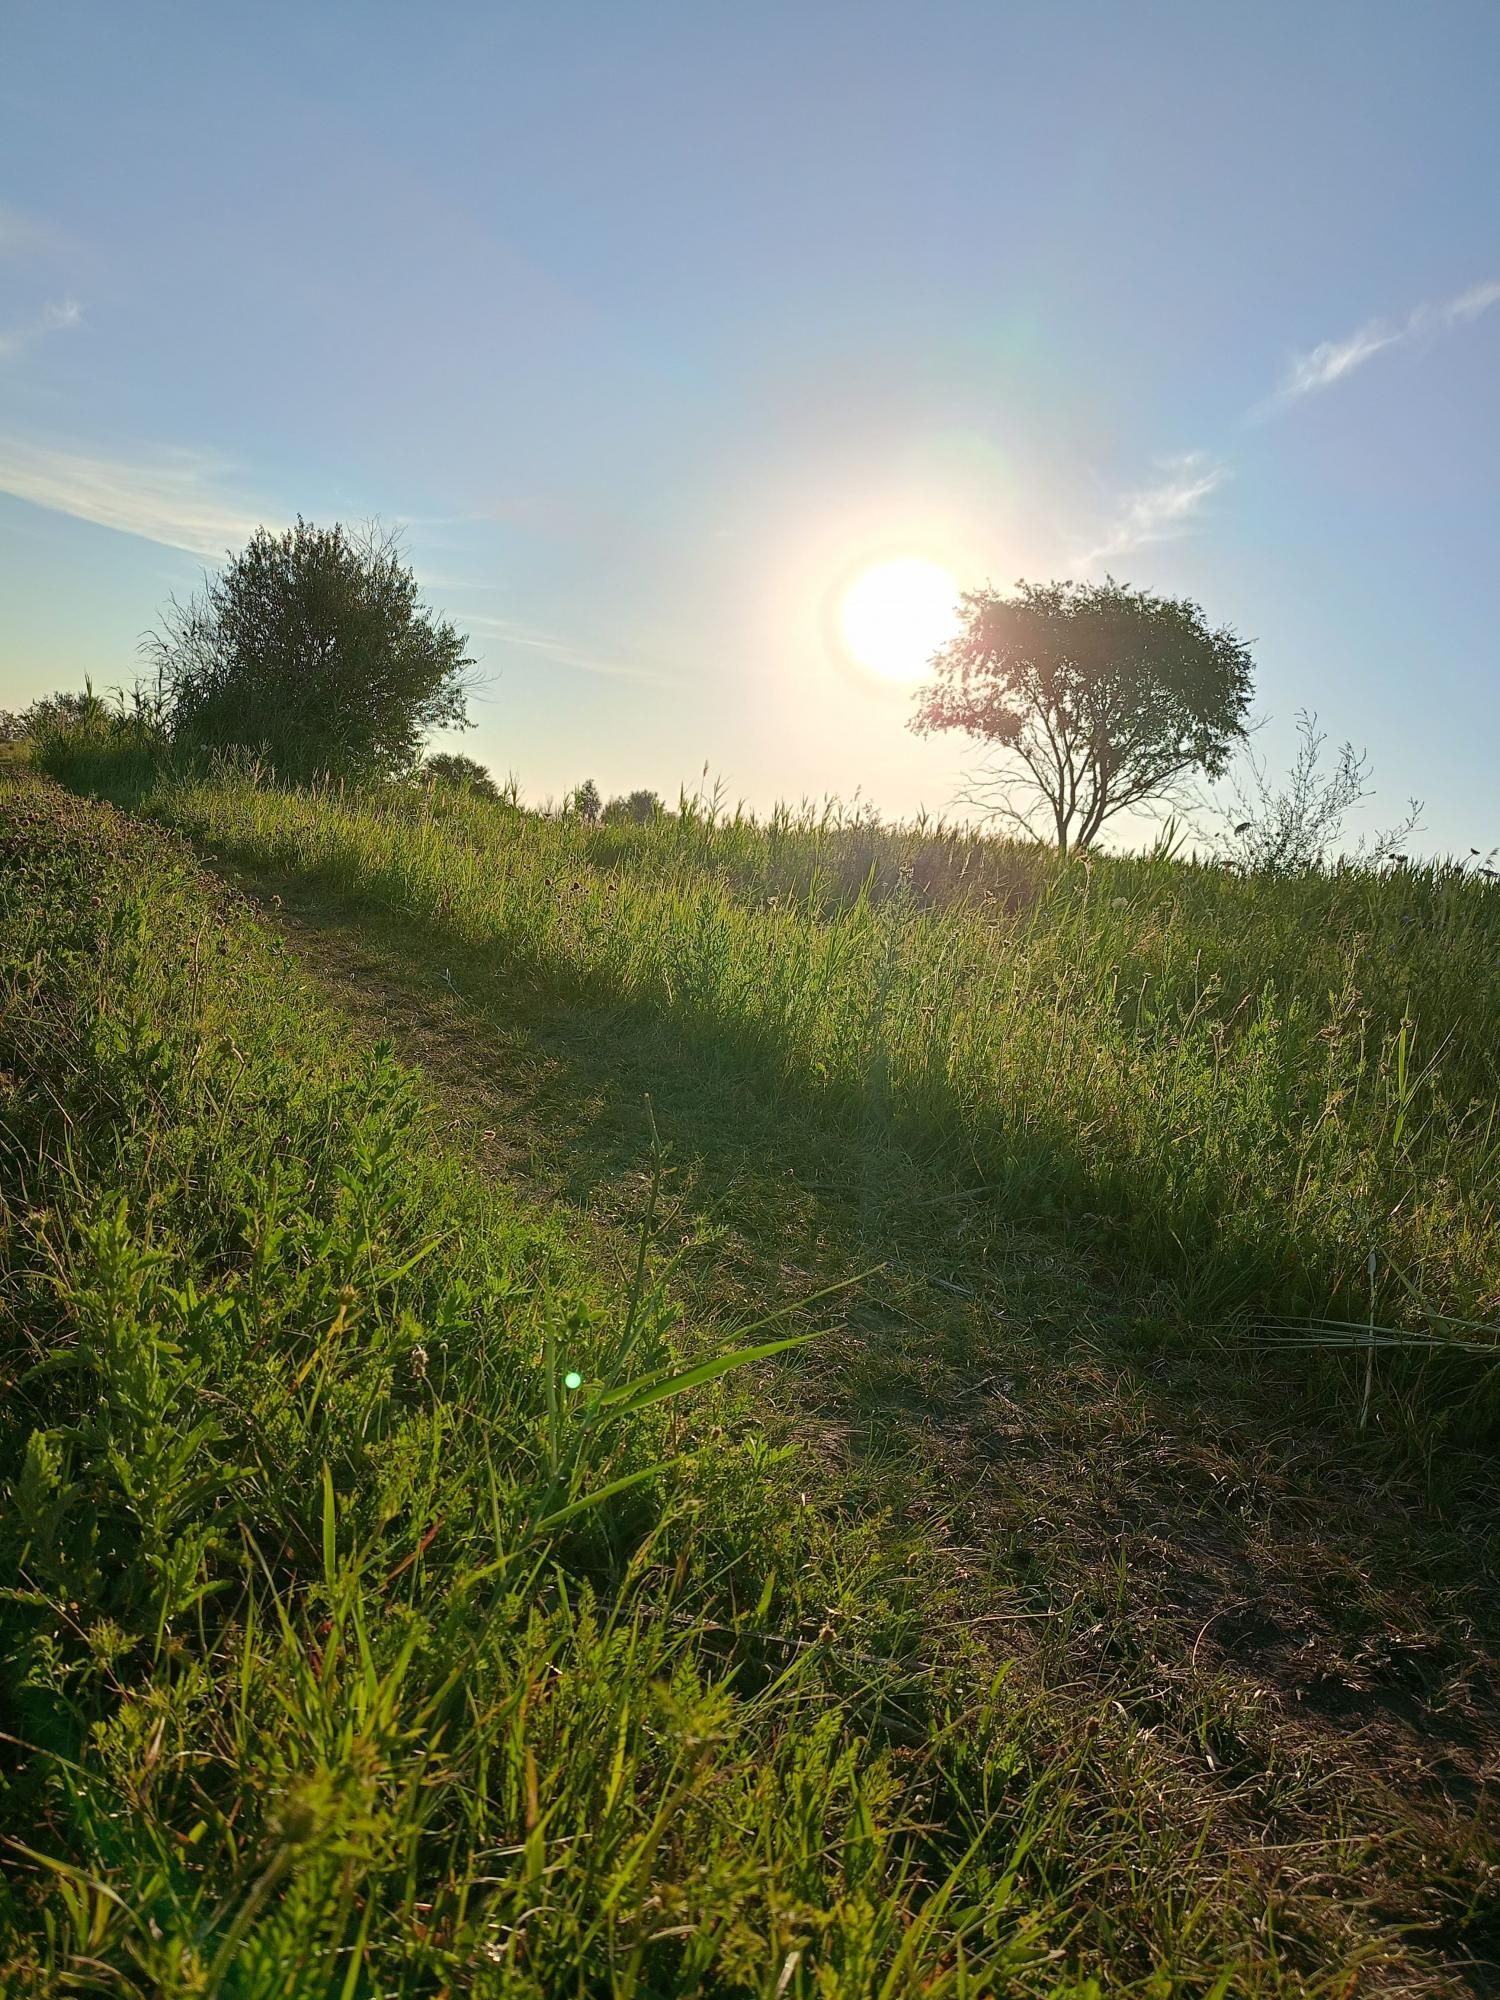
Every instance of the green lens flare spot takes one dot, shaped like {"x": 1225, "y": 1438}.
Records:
{"x": 572, "y": 1380}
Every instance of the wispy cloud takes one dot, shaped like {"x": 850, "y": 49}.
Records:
{"x": 1331, "y": 360}
{"x": 507, "y": 632}
{"x": 178, "y": 498}
{"x": 59, "y": 318}
{"x": 1470, "y": 304}
{"x": 1162, "y": 511}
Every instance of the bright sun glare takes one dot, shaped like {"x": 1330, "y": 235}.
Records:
{"x": 897, "y": 614}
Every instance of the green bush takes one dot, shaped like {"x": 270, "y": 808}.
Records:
{"x": 310, "y": 650}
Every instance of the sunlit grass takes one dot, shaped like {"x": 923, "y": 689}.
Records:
{"x": 346, "y": 1647}
{"x": 1248, "y": 1085}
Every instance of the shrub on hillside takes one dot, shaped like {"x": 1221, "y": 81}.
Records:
{"x": 310, "y": 649}
{"x": 54, "y": 714}
{"x": 67, "y": 724}
{"x": 1281, "y": 829}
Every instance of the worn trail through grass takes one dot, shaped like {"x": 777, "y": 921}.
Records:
{"x": 1083, "y": 1604}
{"x": 1148, "y": 1520}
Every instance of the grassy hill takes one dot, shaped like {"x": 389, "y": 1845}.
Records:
{"x": 1037, "y": 1623}
{"x": 1247, "y": 1086}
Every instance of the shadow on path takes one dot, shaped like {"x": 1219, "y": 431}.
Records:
{"x": 1137, "y": 1511}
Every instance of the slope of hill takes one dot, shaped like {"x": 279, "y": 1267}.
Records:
{"x": 1032, "y": 1626}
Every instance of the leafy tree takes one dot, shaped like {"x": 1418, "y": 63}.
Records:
{"x": 311, "y": 649}
{"x": 460, "y": 773}
{"x": 586, "y": 802}
{"x": 1096, "y": 698}
{"x": 638, "y": 808}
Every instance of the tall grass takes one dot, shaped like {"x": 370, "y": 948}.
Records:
{"x": 361, "y": 1630}
{"x": 1245, "y": 1084}
{"x": 377, "y": 1621}
{"x": 372, "y": 1620}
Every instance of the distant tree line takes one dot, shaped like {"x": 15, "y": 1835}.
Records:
{"x": 637, "y": 808}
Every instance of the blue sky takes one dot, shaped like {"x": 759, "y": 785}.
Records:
{"x": 655, "y": 325}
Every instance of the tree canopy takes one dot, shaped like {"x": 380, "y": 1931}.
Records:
{"x": 311, "y": 649}
{"x": 637, "y": 808}
{"x": 459, "y": 773}
{"x": 1095, "y": 698}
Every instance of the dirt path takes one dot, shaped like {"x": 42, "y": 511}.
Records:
{"x": 1162, "y": 1531}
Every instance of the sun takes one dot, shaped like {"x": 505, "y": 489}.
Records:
{"x": 896, "y": 615}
